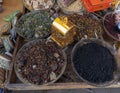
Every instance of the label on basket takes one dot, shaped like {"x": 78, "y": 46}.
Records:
{"x": 4, "y": 63}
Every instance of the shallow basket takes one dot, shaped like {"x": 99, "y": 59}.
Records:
{"x": 25, "y": 81}
{"x": 113, "y": 35}
{"x": 23, "y": 17}
{"x": 105, "y": 44}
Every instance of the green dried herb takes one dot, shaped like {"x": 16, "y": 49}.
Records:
{"x": 2, "y": 50}
{"x": 34, "y": 25}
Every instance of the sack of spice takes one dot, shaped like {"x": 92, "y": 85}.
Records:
{"x": 95, "y": 62}
{"x": 34, "y": 25}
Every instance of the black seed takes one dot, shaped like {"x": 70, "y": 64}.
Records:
{"x": 94, "y": 63}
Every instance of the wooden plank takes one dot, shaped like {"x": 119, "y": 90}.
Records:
{"x": 56, "y": 86}
{"x": 10, "y": 6}
{"x": 10, "y": 76}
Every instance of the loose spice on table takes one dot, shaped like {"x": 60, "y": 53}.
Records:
{"x": 34, "y": 25}
{"x": 87, "y": 26}
{"x": 40, "y": 62}
{"x": 94, "y": 63}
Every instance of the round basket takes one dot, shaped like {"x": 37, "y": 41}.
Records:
{"x": 48, "y": 83}
{"x": 37, "y": 24}
{"x": 29, "y": 7}
{"x": 100, "y": 42}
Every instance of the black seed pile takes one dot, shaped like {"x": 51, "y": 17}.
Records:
{"x": 94, "y": 63}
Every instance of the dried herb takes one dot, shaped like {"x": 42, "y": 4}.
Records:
{"x": 34, "y": 25}
{"x": 39, "y": 62}
{"x": 86, "y": 26}
{"x": 94, "y": 63}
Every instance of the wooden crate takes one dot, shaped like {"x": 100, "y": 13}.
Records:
{"x": 69, "y": 80}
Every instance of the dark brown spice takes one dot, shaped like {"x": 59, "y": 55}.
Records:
{"x": 39, "y": 64}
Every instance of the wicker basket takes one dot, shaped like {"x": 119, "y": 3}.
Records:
{"x": 25, "y": 81}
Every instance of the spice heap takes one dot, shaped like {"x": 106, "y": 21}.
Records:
{"x": 86, "y": 26}
{"x": 40, "y": 62}
{"x": 74, "y": 7}
{"x": 39, "y": 4}
{"x": 94, "y": 63}
{"x": 34, "y": 25}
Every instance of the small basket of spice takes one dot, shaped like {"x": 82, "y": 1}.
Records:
{"x": 95, "y": 62}
{"x": 40, "y": 62}
{"x": 38, "y": 4}
{"x": 35, "y": 24}
{"x": 71, "y": 6}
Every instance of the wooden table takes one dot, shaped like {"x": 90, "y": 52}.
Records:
{"x": 10, "y": 6}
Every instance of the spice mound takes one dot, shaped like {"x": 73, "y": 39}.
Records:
{"x": 38, "y": 4}
{"x": 94, "y": 63}
{"x": 39, "y": 62}
{"x": 34, "y": 25}
{"x": 87, "y": 26}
